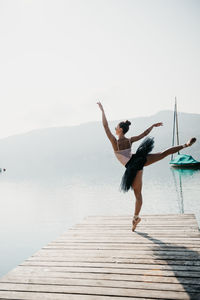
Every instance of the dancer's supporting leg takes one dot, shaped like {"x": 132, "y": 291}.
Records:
{"x": 137, "y": 183}
{"x": 137, "y": 188}
{"x": 154, "y": 157}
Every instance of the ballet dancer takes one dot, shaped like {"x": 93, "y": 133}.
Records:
{"x": 134, "y": 163}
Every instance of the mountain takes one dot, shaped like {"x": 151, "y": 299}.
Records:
{"x": 84, "y": 150}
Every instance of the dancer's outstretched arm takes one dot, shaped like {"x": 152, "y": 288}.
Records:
{"x": 145, "y": 133}
{"x": 106, "y": 127}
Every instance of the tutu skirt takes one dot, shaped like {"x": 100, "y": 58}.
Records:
{"x": 136, "y": 163}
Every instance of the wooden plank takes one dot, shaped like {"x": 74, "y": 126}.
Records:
{"x": 192, "y": 257}
{"x": 139, "y": 231}
{"x": 117, "y": 247}
{"x": 129, "y": 240}
{"x": 159, "y": 239}
{"x": 144, "y": 223}
{"x": 111, "y": 265}
{"x": 91, "y": 290}
{"x": 131, "y": 236}
{"x": 128, "y": 245}
{"x": 145, "y": 219}
{"x": 106, "y": 283}
{"x": 137, "y": 235}
{"x": 57, "y": 296}
{"x": 111, "y": 231}
{"x": 140, "y": 225}
{"x": 112, "y": 234}
{"x": 150, "y": 221}
{"x": 145, "y": 272}
{"x": 140, "y": 228}
{"x": 97, "y": 259}
{"x": 172, "y": 216}
{"x": 119, "y": 230}
{"x": 46, "y": 273}
{"x": 119, "y": 253}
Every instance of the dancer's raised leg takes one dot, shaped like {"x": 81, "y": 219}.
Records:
{"x": 137, "y": 188}
{"x": 154, "y": 157}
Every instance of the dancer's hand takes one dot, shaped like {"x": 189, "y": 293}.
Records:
{"x": 100, "y": 106}
{"x": 158, "y": 124}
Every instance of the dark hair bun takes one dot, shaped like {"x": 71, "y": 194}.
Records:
{"x": 128, "y": 122}
{"x": 125, "y": 126}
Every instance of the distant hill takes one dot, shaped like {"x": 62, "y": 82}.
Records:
{"x": 84, "y": 149}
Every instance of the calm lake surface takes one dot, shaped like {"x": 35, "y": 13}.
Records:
{"x": 36, "y": 211}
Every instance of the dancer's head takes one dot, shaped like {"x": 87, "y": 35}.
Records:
{"x": 122, "y": 127}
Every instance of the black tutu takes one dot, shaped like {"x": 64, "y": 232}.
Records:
{"x": 136, "y": 163}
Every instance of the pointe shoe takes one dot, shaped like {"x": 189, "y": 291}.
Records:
{"x": 190, "y": 142}
{"x": 135, "y": 222}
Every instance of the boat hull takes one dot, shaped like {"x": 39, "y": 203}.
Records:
{"x": 186, "y": 166}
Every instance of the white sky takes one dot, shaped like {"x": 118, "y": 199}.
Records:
{"x": 58, "y": 57}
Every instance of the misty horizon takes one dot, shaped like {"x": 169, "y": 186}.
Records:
{"x": 98, "y": 121}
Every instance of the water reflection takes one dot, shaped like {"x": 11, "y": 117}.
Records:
{"x": 178, "y": 175}
{"x": 185, "y": 172}
{"x": 179, "y": 190}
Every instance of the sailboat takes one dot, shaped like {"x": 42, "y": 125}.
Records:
{"x": 181, "y": 160}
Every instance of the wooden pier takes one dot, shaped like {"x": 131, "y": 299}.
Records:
{"x": 102, "y": 259}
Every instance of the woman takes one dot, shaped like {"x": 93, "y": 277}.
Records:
{"x": 134, "y": 163}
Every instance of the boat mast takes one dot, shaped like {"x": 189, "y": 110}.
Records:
{"x": 173, "y": 129}
{"x": 177, "y": 135}
{"x": 175, "y": 126}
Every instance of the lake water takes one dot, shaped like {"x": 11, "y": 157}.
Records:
{"x": 35, "y": 211}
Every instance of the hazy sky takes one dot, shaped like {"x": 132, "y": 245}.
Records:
{"x": 57, "y": 58}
